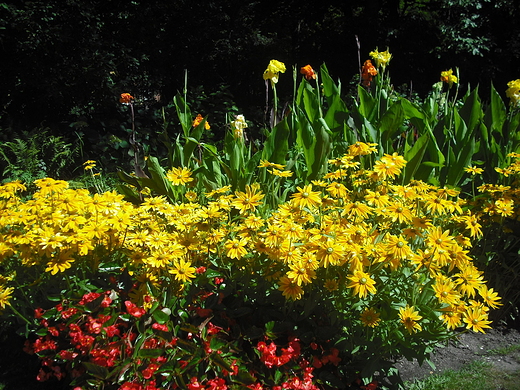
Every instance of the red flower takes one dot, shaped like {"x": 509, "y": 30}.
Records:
{"x": 162, "y": 327}
{"x": 133, "y": 310}
{"x": 89, "y": 297}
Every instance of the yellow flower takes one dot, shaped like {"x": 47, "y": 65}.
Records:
{"x": 381, "y": 58}
{"x": 473, "y": 170}
{"x": 477, "y": 319}
{"x": 329, "y": 253}
{"x": 513, "y": 92}
{"x": 398, "y": 247}
{"x": 59, "y": 264}
{"x": 370, "y": 317}
{"x": 361, "y": 149}
{"x": 489, "y": 296}
{"x": 235, "y": 249}
{"x": 289, "y": 288}
{"x": 249, "y": 200}
{"x": 305, "y": 197}
{"x": 88, "y": 165}
{"x": 273, "y": 69}
{"x": 448, "y": 77}
{"x": 362, "y": 284}
{"x": 5, "y": 294}
{"x": 238, "y": 126}
{"x": 300, "y": 273}
{"x": 279, "y": 173}
{"x": 504, "y": 207}
{"x": 182, "y": 270}
{"x": 179, "y": 176}
{"x": 409, "y": 317}
{"x": 48, "y": 186}
{"x": 445, "y": 291}
{"x": 331, "y": 285}
{"x": 451, "y": 317}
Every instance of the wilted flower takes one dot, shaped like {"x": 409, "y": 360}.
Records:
{"x": 308, "y": 72}
{"x": 513, "y": 92}
{"x": 448, "y": 77}
{"x": 381, "y": 58}
{"x": 126, "y": 98}
{"x": 368, "y": 71}
{"x": 274, "y": 67}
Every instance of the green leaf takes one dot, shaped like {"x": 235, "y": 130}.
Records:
{"x": 496, "y": 113}
{"x": 160, "y": 317}
{"x": 276, "y": 146}
{"x": 96, "y": 370}
{"x": 150, "y": 353}
{"x": 414, "y": 157}
{"x": 184, "y": 114}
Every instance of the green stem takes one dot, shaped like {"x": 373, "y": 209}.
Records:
{"x": 20, "y": 315}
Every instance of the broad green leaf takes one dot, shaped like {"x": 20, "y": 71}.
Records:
{"x": 496, "y": 112}
{"x": 367, "y": 103}
{"x": 414, "y": 157}
{"x": 276, "y": 146}
{"x": 184, "y": 114}
{"x": 95, "y": 370}
{"x": 471, "y": 112}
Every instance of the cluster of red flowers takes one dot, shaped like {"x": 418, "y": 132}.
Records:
{"x": 271, "y": 358}
{"x": 368, "y": 71}
{"x": 95, "y": 338}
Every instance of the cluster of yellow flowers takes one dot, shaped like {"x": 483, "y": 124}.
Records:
{"x": 343, "y": 235}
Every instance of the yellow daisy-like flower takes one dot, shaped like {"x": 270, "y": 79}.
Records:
{"x": 329, "y": 253}
{"x": 249, "y": 200}
{"x": 182, "y": 270}
{"x": 477, "y": 319}
{"x": 451, "y": 317}
{"x": 236, "y": 248}
{"x": 5, "y": 294}
{"x": 305, "y": 197}
{"x": 361, "y": 149}
{"x": 362, "y": 284}
{"x": 445, "y": 292}
{"x": 179, "y": 176}
{"x": 473, "y": 170}
{"x": 409, "y": 317}
{"x": 289, "y": 288}
{"x": 60, "y": 263}
{"x": 370, "y": 317}
{"x": 489, "y": 296}
{"x": 300, "y": 273}
{"x": 331, "y": 285}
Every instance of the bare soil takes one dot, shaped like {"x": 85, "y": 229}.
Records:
{"x": 497, "y": 346}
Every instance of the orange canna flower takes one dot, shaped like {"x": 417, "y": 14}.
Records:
{"x": 198, "y": 120}
{"x": 368, "y": 71}
{"x": 126, "y": 98}
{"x": 308, "y": 72}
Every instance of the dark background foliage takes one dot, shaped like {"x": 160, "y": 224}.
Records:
{"x": 65, "y": 62}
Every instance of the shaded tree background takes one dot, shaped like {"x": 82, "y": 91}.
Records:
{"x": 65, "y": 62}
